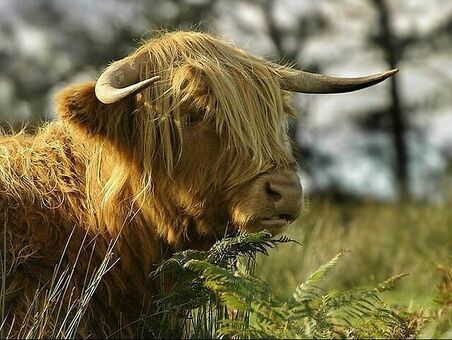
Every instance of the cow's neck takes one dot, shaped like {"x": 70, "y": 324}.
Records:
{"x": 150, "y": 227}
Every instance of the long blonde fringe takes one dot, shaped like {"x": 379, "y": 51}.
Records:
{"x": 238, "y": 93}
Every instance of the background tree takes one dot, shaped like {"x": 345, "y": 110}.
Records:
{"x": 393, "y": 51}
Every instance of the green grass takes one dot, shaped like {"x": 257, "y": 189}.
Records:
{"x": 383, "y": 239}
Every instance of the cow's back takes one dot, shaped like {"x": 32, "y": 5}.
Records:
{"x": 41, "y": 183}
{"x": 49, "y": 228}
{"x": 41, "y": 202}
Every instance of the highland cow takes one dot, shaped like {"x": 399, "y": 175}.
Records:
{"x": 178, "y": 144}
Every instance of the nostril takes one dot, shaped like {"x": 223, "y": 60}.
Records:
{"x": 274, "y": 194}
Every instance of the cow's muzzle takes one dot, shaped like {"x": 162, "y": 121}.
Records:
{"x": 284, "y": 192}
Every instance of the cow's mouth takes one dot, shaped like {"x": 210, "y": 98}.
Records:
{"x": 278, "y": 221}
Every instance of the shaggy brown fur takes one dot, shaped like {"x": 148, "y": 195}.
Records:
{"x": 173, "y": 167}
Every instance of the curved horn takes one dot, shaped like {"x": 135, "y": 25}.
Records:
{"x": 306, "y": 82}
{"x": 119, "y": 81}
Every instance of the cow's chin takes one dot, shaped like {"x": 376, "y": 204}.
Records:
{"x": 274, "y": 225}
{"x": 271, "y": 229}
{"x": 255, "y": 216}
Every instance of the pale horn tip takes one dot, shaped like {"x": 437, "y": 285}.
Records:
{"x": 391, "y": 72}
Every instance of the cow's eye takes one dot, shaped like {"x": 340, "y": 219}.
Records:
{"x": 193, "y": 119}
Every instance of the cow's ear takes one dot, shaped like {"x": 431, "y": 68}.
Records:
{"x": 78, "y": 106}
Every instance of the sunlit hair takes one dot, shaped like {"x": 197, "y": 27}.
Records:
{"x": 237, "y": 93}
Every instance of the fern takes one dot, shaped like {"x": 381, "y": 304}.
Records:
{"x": 217, "y": 295}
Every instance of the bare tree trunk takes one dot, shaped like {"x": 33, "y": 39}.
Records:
{"x": 387, "y": 41}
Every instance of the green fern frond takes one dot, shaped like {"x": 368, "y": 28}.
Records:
{"x": 390, "y": 283}
{"x": 239, "y": 330}
{"x": 309, "y": 289}
{"x": 246, "y": 244}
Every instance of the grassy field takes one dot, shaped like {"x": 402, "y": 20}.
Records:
{"x": 383, "y": 239}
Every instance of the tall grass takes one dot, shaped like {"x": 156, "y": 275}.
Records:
{"x": 58, "y": 307}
